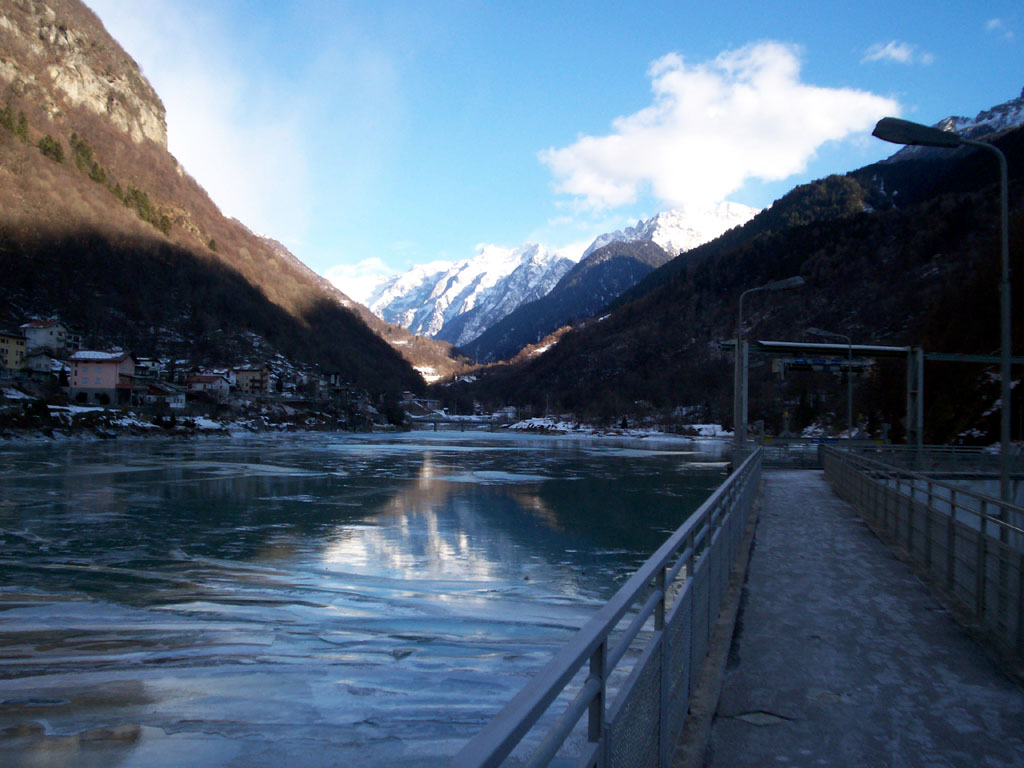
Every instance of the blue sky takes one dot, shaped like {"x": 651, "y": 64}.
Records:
{"x": 372, "y": 136}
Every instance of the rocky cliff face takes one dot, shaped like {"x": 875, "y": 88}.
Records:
{"x": 59, "y": 56}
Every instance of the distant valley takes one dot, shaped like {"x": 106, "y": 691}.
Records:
{"x": 475, "y": 304}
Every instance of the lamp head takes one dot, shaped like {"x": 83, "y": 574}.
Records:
{"x": 905, "y": 132}
{"x": 790, "y": 282}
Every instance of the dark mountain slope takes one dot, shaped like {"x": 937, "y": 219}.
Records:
{"x": 583, "y": 291}
{"x": 180, "y": 303}
{"x": 84, "y": 170}
{"x": 901, "y": 273}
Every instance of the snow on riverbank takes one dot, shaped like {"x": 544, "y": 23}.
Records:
{"x": 553, "y": 425}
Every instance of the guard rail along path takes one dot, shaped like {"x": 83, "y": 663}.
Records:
{"x": 677, "y": 594}
{"x": 968, "y": 543}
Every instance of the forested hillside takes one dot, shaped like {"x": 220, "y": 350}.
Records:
{"x": 895, "y": 253}
{"x": 585, "y": 289}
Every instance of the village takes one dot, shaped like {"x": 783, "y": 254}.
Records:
{"x": 43, "y": 364}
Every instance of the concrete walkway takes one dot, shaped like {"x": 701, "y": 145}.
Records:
{"x": 842, "y": 658}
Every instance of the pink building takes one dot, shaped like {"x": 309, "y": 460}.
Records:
{"x": 100, "y": 377}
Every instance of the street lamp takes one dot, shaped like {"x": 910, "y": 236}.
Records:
{"x": 739, "y": 404}
{"x": 849, "y": 374}
{"x": 905, "y": 132}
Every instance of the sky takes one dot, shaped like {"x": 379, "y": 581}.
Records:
{"x": 374, "y": 135}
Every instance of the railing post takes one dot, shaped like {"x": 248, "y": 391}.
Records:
{"x": 910, "y": 518}
{"x": 928, "y": 527}
{"x": 664, "y": 682}
{"x": 885, "y": 502}
{"x": 595, "y": 719}
{"x": 951, "y": 543}
{"x": 1020, "y": 603}
{"x": 659, "y": 611}
{"x": 980, "y": 575}
{"x": 691, "y": 543}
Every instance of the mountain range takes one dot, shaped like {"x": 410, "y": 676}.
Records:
{"x": 458, "y": 301}
{"x": 470, "y": 302}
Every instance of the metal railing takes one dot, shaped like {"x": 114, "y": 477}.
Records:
{"x": 970, "y": 544}
{"x": 791, "y": 453}
{"x": 668, "y": 607}
{"x": 947, "y": 459}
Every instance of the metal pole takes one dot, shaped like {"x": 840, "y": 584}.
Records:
{"x": 739, "y": 404}
{"x": 1005, "y": 488}
{"x": 849, "y": 390}
{"x": 737, "y": 397}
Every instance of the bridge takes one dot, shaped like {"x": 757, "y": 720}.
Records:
{"x": 866, "y": 613}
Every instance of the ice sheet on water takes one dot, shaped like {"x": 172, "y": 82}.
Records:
{"x": 200, "y": 592}
{"x": 493, "y": 477}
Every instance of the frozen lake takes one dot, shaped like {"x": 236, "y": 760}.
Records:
{"x": 307, "y": 600}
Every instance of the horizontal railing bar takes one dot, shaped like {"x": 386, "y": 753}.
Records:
{"x": 498, "y": 737}
{"x": 634, "y": 629}
{"x": 891, "y": 473}
{"x": 699, "y": 537}
{"x": 565, "y": 723}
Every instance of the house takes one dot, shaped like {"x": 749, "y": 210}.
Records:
{"x": 42, "y": 363}
{"x": 13, "y": 348}
{"x": 147, "y": 367}
{"x": 212, "y": 384}
{"x": 227, "y": 373}
{"x": 101, "y": 377}
{"x": 162, "y": 393}
{"x": 51, "y": 335}
{"x": 253, "y": 380}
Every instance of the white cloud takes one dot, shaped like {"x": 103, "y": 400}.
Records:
{"x": 574, "y": 251}
{"x": 897, "y": 51}
{"x": 998, "y": 27}
{"x": 712, "y": 126}
{"x": 359, "y": 280}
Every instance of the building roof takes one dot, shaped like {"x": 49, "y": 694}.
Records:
{"x": 163, "y": 388}
{"x": 42, "y": 324}
{"x": 99, "y": 357}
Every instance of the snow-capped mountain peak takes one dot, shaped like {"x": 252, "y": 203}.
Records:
{"x": 681, "y": 229}
{"x": 1002, "y": 117}
{"x": 429, "y": 297}
{"x": 1009, "y": 114}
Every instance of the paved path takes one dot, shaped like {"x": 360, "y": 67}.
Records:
{"x": 842, "y": 658}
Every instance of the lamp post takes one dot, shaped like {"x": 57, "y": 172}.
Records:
{"x": 739, "y": 405}
{"x": 849, "y": 374}
{"x": 905, "y": 132}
